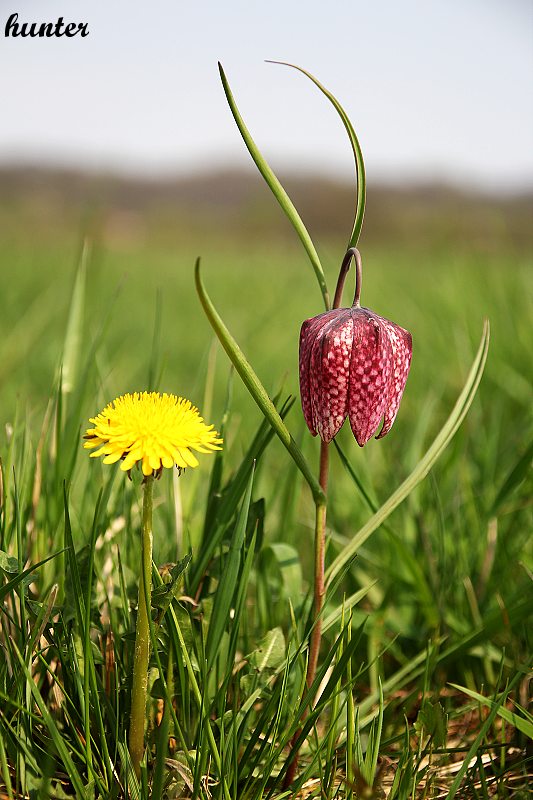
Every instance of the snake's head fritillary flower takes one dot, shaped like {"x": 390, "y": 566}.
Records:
{"x": 155, "y": 430}
{"x": 353, "y": 363}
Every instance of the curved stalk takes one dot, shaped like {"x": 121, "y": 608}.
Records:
{"x": 277, "y": 190}
{"x": 354, "y": 253}
{"x": 360, "y": 178}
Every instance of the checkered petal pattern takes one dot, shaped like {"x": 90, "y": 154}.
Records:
{"x": 352, "y": 363}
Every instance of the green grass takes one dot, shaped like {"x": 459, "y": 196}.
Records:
{"x": 443, "y": 588}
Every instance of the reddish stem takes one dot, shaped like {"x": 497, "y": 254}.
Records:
{"x": 320, "y": 521}
{"x": 354, "y": 253}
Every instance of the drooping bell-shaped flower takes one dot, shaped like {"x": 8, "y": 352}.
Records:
{"x": 352, "y": 363}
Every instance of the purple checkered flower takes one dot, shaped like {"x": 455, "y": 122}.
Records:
{"x": 352, "y": 363}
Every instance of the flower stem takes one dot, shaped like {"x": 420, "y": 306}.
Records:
{"x": 321, "y": 506}
{"x": 354, "y": 253}
{"x": 319, "y": 589}
{"x": 142, "y": 635}
{"x": 320, "y": 519}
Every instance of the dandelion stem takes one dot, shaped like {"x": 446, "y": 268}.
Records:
{"x": 142, "y": 636}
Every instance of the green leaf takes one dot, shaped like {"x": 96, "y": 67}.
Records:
{"x": 277, "y": 189}
{"x": 215, "y": 480}
{"x": 77, "y": 580}
{"x": 74, "y": 332}
{"x": 279, "y": 575}
{"x": 271, "y": 651}
{"x": 224, "y": 598}
{"x": 8, "y": 563}
{"x": 520, "y": 723}
{"x": 255, "y": 527}
{"x": 255, "y": 387}
{"x": 495, "y": 709}
{"x": 438, "y": 446}
{"x": 4, "y": 770}
{"x": 163, "y": 595}
{"x": 59, "y": 742}
{"x": 132, "y": 784}
{"x": 432, "y": 721}
{"x": 14, "y": 582}
{"x": 226, "y": 505}
{"x": 43, "y": 612}
{"x": 515, "y": 477}
{"x": 356, "y": 150}
{"x": 369, "y": 764}
{"x": 343, "y": 608}
{"x": 373, "y": 506}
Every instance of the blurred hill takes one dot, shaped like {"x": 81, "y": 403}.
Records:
{"x": 238, "y": 204}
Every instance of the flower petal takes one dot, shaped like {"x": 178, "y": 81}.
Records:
{"x": 188, "y": 457}
{"x": 153, "y": 459}
{"x": 153, "y": 429}
{"x": 370, "y": 371}
{"x": 402, "y": 348}
{"x": 112, "y": 458}
{"x": 309, "y": 333}
{"x": 329, "y": 370}
{"x": 147, "y": 467}
{"x": 96, "y": 442}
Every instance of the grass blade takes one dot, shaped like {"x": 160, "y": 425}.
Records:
{"x": 442, "y": 440}
{"x": 255, "y": 387}
{"x": 4, "y": 770}
{"x": 14, "y": 582}
{"x": 520, "y": 723}
{"x": 224, "y": 507}
{"x": 223, "y": 602}
{"x": 63, "y": 750}
{"x": 454, "y": 788}
{"x": 345, "y": 607}
{"x": 73, "y": 335}
{"x": 519, "y": 472}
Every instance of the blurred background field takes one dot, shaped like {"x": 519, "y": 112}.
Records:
{"x": 436, "y": 260}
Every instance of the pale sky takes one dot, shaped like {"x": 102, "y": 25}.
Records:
{"x": 436, "y": 89}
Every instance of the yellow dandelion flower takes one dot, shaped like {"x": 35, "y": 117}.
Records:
{"x": 159, "y": 430}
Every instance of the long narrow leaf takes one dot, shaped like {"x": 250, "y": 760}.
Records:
{"x": 227, "y": 503}
{"x": 520, "y": 723}
{"x": 255, "y": 387}
{"x": 228, "y": 582}
{"x": 442, "y": 440}
{"x": 277, "y": 189}
{"x": 14, "y": 582}
{"x": 347, "y": 604}
{"x": 74, "y": 332}
{"x": 515, "y": 477}
{"x": 53, "y": 730}
{"x": 454, "y": 788}
{"x": 356, "y": 150}
{"x": 4, "y": 769}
